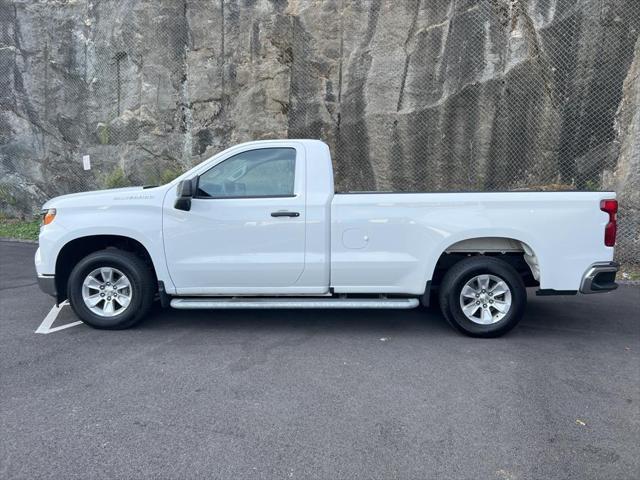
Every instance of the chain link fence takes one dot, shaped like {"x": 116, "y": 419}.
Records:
{"x": 448, "y": 95}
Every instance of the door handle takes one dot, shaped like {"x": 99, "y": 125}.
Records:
{"x": 285, "y": 214}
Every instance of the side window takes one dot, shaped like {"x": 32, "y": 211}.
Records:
{"x": 265, "y": 172}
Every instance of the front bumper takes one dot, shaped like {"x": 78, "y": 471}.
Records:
{"x": 47, "y": 284}
{"x": 600, "y": 277}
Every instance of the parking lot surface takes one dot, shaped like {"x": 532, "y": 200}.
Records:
{"x": 317, "y": 394}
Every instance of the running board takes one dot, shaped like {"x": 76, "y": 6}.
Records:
{"x": 266, "y": 303}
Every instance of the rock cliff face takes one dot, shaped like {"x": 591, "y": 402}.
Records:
{"x": 626, "y": 177}
{"x": 410, "y": 95}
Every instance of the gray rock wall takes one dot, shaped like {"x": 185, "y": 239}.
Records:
{"x": 625, "y": 179}
{"x": 410, "y": 95}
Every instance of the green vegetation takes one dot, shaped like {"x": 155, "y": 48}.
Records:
{"x": 167, "y": 175}
{"x": 116, "y": 179}
{"x": 103, "y": 133}
{"x": 591, "y": 185}
{"x": 7, "y": 195}
{"x": 629, "y": 273}
{"x": 20, "y": 229}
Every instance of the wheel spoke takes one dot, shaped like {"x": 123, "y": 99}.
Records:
{"x": 499, "y": 288}
{"x": 122, "y": 301}
{"x": 107, "y": 274}
{"x": 483, "y": 281}
{"x": 92, "y": 282}
{"x": 470, "y": 309}
{"x": 93, "y": 300}
{"x": 468, "y": 292}
{"x": 108, "y": 307}
{"x": 501, "y": 306}
{"x": 487, "y": 318}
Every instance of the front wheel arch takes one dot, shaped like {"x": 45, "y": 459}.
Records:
{"x": 139, "y": 283}
{"x": 77, "y": 249}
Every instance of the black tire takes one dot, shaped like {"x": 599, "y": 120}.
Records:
{"x": 463, "y": 271}
{"x": 137, "y": 271}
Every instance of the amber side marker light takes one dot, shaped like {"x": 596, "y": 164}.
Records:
{"x": 48, "y": 216}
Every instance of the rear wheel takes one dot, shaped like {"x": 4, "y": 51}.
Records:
{"x": 111, "y": 289}
{"x": 483, "y": 296}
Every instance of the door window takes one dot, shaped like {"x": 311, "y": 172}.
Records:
{"x": 264, "y": 172}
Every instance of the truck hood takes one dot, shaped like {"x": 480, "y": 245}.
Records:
{"x": 84, "y": 197}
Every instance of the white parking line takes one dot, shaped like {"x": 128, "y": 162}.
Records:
{"x": 45, "y": 326}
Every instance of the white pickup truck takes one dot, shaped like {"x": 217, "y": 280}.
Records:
{"x": 260, "y": 226}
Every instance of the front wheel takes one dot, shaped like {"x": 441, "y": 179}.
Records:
{"x": 483, "y": 296}
{"x": 111, "y": 289}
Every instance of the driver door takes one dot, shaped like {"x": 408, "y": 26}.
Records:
{"x": 245, "y": 232}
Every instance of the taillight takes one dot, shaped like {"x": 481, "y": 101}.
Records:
{"x": 610, "y": 206}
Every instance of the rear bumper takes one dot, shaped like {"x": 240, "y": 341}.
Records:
{"x": 47, "y": 284}
{"x": 600, "y": 277}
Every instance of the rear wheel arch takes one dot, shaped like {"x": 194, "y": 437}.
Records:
{"x": 78, "y": 248}
{"x": 517, "y": 253}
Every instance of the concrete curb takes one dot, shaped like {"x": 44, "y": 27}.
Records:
{"x": 17, "y": 240}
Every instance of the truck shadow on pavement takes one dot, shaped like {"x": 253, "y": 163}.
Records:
{"x": 609, "y": 314}
{"x": 416, "y": 321}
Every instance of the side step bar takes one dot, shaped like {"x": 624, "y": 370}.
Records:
{"x": 283, "y": 302}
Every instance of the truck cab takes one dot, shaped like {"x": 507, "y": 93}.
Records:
{"x": 258, "y": 222}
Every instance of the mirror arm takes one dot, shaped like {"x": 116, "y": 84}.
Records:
{"x": 182, "y": 203}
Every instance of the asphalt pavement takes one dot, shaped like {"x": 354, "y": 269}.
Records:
{"x": 318, "y": 394}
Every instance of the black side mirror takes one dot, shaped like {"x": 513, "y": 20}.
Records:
{"x": 185, "y": 192}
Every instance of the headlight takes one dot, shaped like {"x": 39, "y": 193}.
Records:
{"x": 48, "y": 216}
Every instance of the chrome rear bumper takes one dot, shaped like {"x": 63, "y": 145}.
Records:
{"x": 600, "y": 277}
